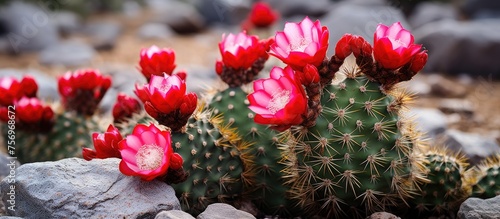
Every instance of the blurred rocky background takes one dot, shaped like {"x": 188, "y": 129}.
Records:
{"x": 457, "y": 95}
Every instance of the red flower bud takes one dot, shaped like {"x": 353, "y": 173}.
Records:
{"x": 343, "y": 47}
{"x": 105, "y": 144}
{"x": 189, "y": 104}
{"x": 419, "y": 61}
{"x": 309, "y": 75}
{"x": 176, "y": 161}
{"x": 182, "y": 75}
{"x": 219, "y": 67}
{"x": 125, "y": 107}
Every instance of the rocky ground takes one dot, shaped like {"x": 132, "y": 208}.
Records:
{"x": 456, "y": 96}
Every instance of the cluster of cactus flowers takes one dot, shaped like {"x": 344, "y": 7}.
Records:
{"x": 321, "y": 136}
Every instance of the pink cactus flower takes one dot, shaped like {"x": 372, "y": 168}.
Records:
{"x": 163, "y": 93}
{"x": 147, "y": 153}
{"x": 279, "y": 101}
{"x": 156, "y": 61}
{"x": 301, "y": 44}
{"x": 393, "y": 46}
{"x": 239, "y": 51}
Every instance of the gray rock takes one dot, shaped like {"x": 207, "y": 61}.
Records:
{"x": 86, "y": 189}
{"x": 462, "y": 47}
{"x": 103, "y": 35}
{"x": 223, "y": 211}
{"x": 480, "y": 9}
{"x": 155, "y": 31}
{"x": 7, "y": 165}
{"x": 223, "y": 11}
{"x": 427, "y": 12}
{"x": 443, "y": 87}
{"x": 430, "y": 121}
{"x": 383, "y": 215}
{"x": 173, "y": 214}
{"x": 461, "y": 106}
{"x": 418, "y": 86}
{"x": 66, "y": 22}
{"x": 47, "y": 85}
{"x": 28, "y": 27}
{"x": 476, "y": 208}
{"x": 108, "y": 101}
{"x": 68, "y": 53}
{"x": 341, "y": 20}
{"x": 474, "y": 146}
{"x": 290, "y": 8}
{"x": 10, "y": 217}
{"x": 180, "y": 16}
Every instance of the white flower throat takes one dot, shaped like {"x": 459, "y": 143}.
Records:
{"x": 149, "y": 157}
{"x": 279, "y": 101}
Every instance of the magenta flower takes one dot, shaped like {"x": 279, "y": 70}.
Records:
{"x": 11, "y": 89}
{"x": 301, "y": 44}
{"x": 156, "y": 61}
{"x": 393, "y": 46}
{"x": 163, "y": 93}
{"x": 279, "y": 101}
{"x": 147, "y": 153}
{"x": 240, "y": 51}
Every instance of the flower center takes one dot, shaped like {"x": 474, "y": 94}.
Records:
{"x": 279, "y": 101}
{"x": 149, "y": 157}
{"x": 300, "y": 45}
{"x": 165, "y": 87}
{"x": 396, "y": 43}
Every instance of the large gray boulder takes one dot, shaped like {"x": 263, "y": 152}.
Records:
{"x": 475, "y": 147}
{"x": 28, "y": 27}
{"x": 85, "y": 189}
{"x": 68, "y": 53}
{"x": 456, "y": 47}
{"x": 476, "y": 208}
{"x": 182, "y": 17}
{"x": 427, "y": 12}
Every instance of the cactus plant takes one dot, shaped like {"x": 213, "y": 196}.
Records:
{"x": 485, "y": 178}
{"x": 350, "y": 153}
{"x": 444, "y": 190}
{"x": 266, "y": 187}
{"x": 52, "y": 133}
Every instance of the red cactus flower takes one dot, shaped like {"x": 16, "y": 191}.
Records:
{"x": 125, "y": 107}
{"x": 156, "y": 61}
{"x": 262, "y": 15}
{"x": 239, "y": 51}
{"x": 393, "y": 46}
{"x": 147, "y": 153}
{"x": 301, "y": 44}
{"x": 165, "y": 99}
{"x": 30, "y": 115}
{"x": 279, "y": 101}
{"x": 105, "y": 144}
{"x": 82, "y": 90}
{"x": 11, "y": 89}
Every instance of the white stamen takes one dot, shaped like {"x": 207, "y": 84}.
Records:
{"x": 279, "y": 101}
{"x": 149, "y": 157}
